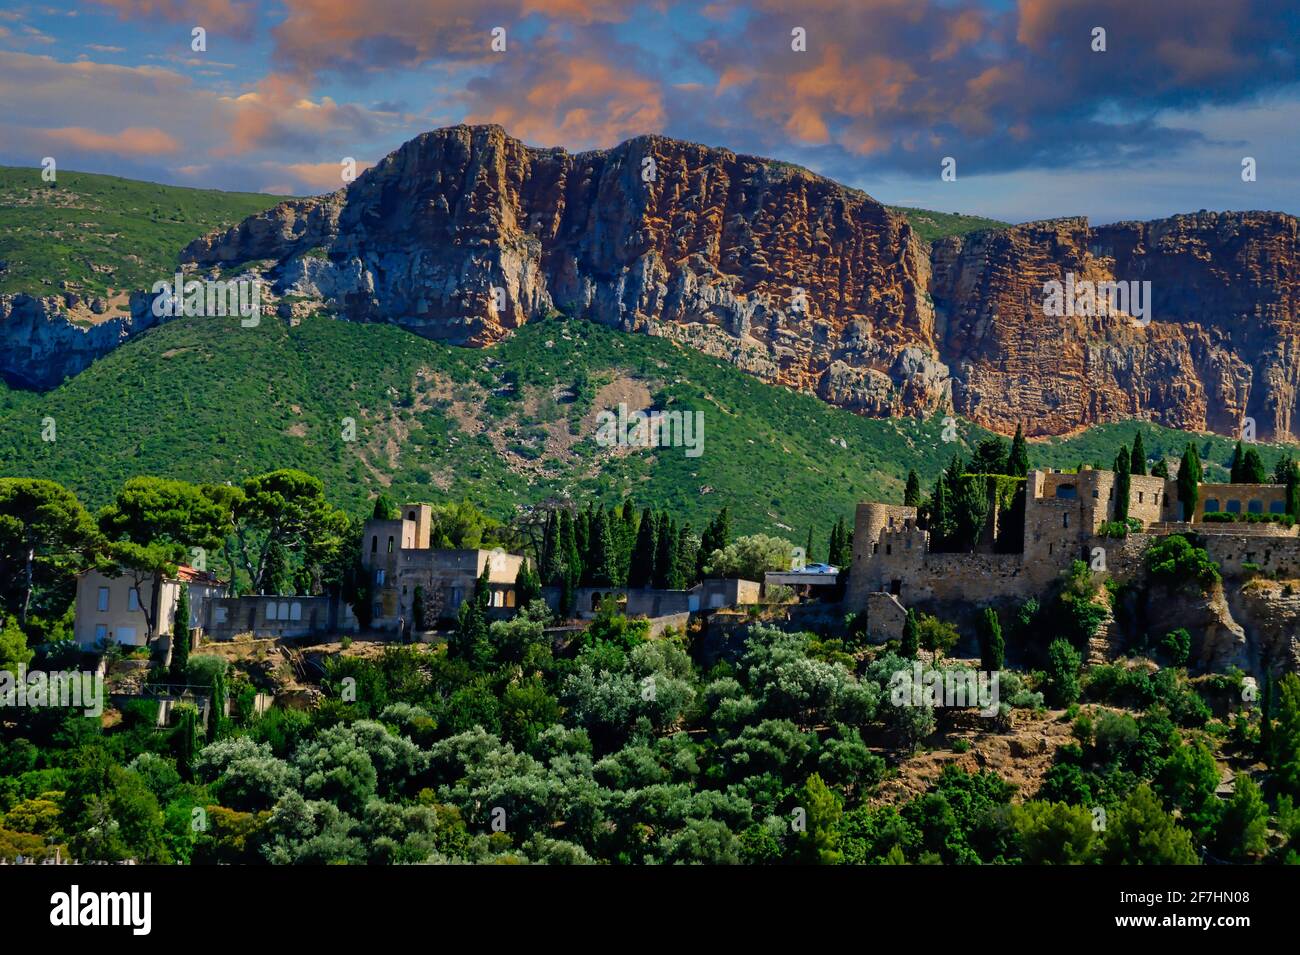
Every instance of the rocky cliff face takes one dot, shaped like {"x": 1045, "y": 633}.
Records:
{"x": 465, "y": 233}
{"x": 1217, "y": 345}
{"x": 43, "y": 344}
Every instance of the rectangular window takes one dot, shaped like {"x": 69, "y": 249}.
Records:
{"x": 103, "y": 600}
{"x": 133, "y": 600}
{"x": 126, "y": 635}
{"x": 101, "y": 632}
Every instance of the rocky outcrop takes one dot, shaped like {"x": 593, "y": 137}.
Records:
{"x": 1218, "y": 344}
{"x": 465, "y": 233}
{"x": 43, "y": 345}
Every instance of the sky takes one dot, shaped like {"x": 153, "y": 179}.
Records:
{"x": 877, "y": 94}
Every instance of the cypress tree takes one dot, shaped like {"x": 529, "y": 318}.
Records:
{"x": 912, "y": 492}
{"x": 548, "y": 560}
{"x": 602, "y": 552}
{"x": 1138, "y": 461}
{"x": 186, "y": 739}
{"x": 1235, "y": 469}
{"x": 665, "y": 554}
{"x": 941, "y": 517}
{"x": 839, "y": 550}
{"x": 1123, "y": 483}
{"x": 217, "y": 723}
{"x": 528, "y": 586}
{"x": 1189, "y": 481}
{"x": 1266, "y": 720}
{"x": 181, "y": 635}
{"x": 808, "y": 549}
{"x": 992, "y": 646}
{"x": 570, "y": 559}
{"x": 1160, "y": 469}
{"x": 641, "y": 572}
{"x": 1018, "y": 458}
{"x": 385, "y": 509}
{"x": 687, "y": 547}
{"x": 1252, "y": 468}
{"x": 911, "y": 636}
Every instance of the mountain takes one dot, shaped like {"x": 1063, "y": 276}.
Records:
{"x": 514, "y": 423}
{"x": 76, "y": 255}
{"x": 464, "y": 235}
{"x": 798, "y": 280}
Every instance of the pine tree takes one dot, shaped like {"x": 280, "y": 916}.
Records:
{"x": 1123, "y": 483}
{"x": 1018, "y": 458}
{"x": 911, "y": 643}
{"x": 181, "y": 635}
{"x": 641, "y": 572}
{"x": 992, "y": 646}
{"x": 912, "y": 492}
{"x": 1138, "y": 460}
{"x": 1189, "y": 481}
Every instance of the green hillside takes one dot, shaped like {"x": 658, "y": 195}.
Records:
{"x": 101, "y": 234}
{"x": 935, "y": 225}
{"x": 205, "y": 399}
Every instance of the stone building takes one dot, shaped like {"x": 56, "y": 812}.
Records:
{"x": 1063, "y": 514}
{"x": 398, "y": 557}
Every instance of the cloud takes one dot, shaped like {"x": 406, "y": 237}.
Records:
{"x": 213, "y": 15}
{"x": 579, "y": 102}
{"x": 135, "y": 141}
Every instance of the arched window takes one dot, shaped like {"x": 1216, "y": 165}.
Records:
{"x": 390, "y": 543}
{"x": 374, "y": 544}
{"x": 1255, "y": 507}
{"x": 497, "y": 599}
{"x": 1065, "y": 519}
{"x": 410, "y": 515}
{"x": 1211, "y": 505}
{"x": 270, "y": 610}
{"x": 295, "y": 611}
{"x": 510, "y": 598}
{"x": 1234, "y": 507}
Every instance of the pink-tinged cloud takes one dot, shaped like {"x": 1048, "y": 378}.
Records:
{"x": 134, "y": 141}
{"x": 214, "y": 15}
{"x": 321, "y": 176}
{"x": 574, "y": 101}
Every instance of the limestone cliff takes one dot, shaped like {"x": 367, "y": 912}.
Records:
{"x": 44, "y": 342}
{"x": 465, "y": 233}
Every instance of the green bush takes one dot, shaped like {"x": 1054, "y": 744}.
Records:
{"x": 1175, "y": 561}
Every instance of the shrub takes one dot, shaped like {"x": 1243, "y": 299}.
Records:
{"x": 1177, "y": 645}
{"x": 1175, "y": 560}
